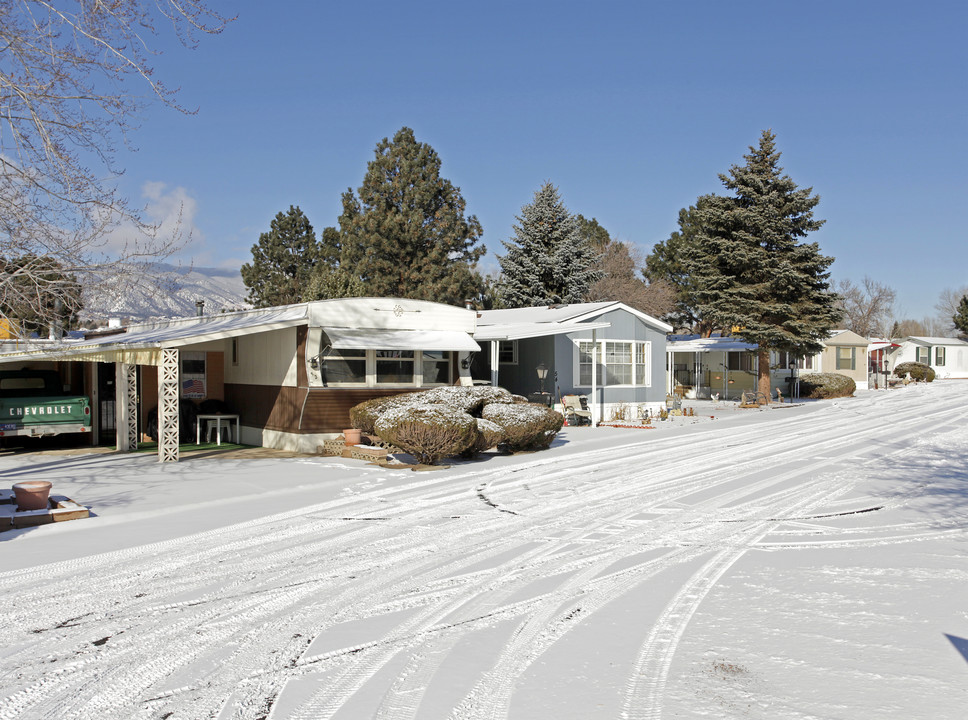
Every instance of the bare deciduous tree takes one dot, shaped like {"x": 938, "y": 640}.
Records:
{"x": 621, "y": 281}
{"x": 867, "y": 307}
{"x": 73, "y": 76}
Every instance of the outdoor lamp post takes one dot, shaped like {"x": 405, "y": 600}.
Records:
{"x": 793, "y": 373}
{"x": 542, "y": 374}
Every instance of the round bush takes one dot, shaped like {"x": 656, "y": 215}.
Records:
{"x": 526, "y": 426}
{"x": 917, "y": 371}
{"x": 428, "y": 432}
{"x": 821, "y": 386}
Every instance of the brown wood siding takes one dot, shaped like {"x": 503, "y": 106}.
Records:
{"x": 215, "y": 371}
{"x": 327, "y": 410}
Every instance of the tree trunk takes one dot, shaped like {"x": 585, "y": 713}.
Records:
{"x": 763, "y": 379}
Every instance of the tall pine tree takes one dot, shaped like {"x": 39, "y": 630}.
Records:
{"x": 405, "y": 235}
{"x": 666, "y": 263}
{"x": 282, "y": 261}
{"x": 549, "y": 260}
{"x": 750, "y": 269}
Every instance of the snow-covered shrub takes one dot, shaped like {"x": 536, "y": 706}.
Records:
{"x": 365, "y": 415}
{"x": 489, "y": 434}
{"x": 821, "y": 386}
{"x": 526, "y": 426}
{"x": 467, "y": 399}
{"x": 917, "y": 371}
{"x": 428, "y": 432}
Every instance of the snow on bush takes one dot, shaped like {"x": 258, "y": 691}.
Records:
{"x": 429, "y": 432}
{"x": 489, "y": 434}
{"x": 526, "y": 426}
{"x": 431, "y": 424}
{"x": 917, "y": 371}
{"x": 821, "y": 386}
{"x": 467, "y": 399}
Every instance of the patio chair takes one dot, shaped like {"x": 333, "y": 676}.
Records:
{"x": 575, "y": 410}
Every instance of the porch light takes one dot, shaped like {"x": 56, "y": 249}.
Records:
{"x": 542, "y": 374}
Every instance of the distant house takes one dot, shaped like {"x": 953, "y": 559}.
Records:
{"x": 845, "y": 353}
{"x": 290, "y": 373}
{"x": 700, "y": 367}
{"x": 625, "y": 347}
{"x": 948, "y": 357}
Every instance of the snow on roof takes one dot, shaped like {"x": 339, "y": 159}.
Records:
{"x": 936, "y": 340}
{"x": 169, "y": 333}
{"x": 537, "y": 321}
{"x": 694, "y": 343}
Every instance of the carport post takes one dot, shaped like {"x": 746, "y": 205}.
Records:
{"x": 126, "y": 402}
{"x": 168, "y": 406}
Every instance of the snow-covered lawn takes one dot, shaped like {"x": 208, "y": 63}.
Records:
{"x": 796, "y": 562}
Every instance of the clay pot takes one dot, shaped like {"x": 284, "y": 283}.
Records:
{"x": 32, "y": 495}
{"x": 352, "y": 436}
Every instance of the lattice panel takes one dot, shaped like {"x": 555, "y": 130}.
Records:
{"x": 168, "y": 407}
{"x": 131, "y": 401}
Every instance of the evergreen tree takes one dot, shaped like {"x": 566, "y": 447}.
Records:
{"x": 751, "y": 271}
{"x": 666, "y": 264}
{"x": 405, "y": 235}
{"x": 282, "y": 261}
{"x": 960, "y": 318}
{"x": 548, "y": 261}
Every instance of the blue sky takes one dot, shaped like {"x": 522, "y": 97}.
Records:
{"x": 631, "y": 109}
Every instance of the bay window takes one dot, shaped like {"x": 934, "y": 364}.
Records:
{"x": 619, "y": 362}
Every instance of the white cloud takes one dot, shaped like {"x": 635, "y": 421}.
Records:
{"x": 171, "y": 213}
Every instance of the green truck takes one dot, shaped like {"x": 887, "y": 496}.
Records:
{"x": 33, "y": 404}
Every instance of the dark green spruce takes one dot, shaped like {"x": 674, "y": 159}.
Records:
{"x": 750, "y": 268}
{"x": 549, "y": 260}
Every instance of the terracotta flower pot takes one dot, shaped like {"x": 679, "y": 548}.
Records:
{"x": 352, "y": 436}
{"x": 32, "y": 494}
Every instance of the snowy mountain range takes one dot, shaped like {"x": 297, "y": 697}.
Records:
{"x": 169, "y": 291}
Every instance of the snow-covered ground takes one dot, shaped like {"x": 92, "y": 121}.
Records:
{"x": 796, "y": 562}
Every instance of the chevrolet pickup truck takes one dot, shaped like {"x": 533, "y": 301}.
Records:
{"x": 33, "y": 404}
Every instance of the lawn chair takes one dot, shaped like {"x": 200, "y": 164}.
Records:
{"x": 575, "y": 410}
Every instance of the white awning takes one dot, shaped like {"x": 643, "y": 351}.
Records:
{"x": 356, "y": 339}
{"x": 521, "y": 331}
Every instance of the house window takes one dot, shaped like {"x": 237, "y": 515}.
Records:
{"x": 235, "y": 352}
{"x": 585, "y": 364}
{"x": 923, "y": 355}
{"x": 939, "y": 356}
{"x": 344, "y": 367}
{"x": 805, "y": 363}
{"x": 642, "y": 363}
{"x": 741, "y": 361}
{"x": 436, "y": 367}
{"x": 394, "y": 367}
{"x": 193, "y": 374}
{"x": 846, "y": 357}
{"x": 507, "y": 352}
{"x": 619, "y": 363}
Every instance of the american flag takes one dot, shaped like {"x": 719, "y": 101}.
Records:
{"x": 193, "y": 387}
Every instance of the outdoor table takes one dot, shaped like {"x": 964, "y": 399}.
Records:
{"x": 217, "y": 418}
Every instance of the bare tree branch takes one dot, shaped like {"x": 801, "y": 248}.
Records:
{"x": 72, "y": 80}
